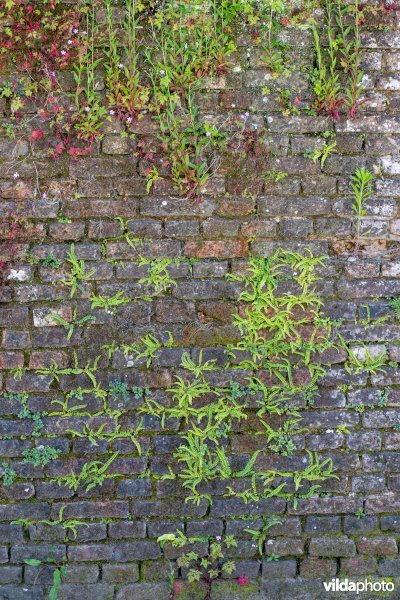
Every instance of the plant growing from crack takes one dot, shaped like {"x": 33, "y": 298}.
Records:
{"x": 69, "y": 326}
{"x": 77, "y": 275}
{"x": 260, "y": 535}
{"x": 109, "y": 304}
{"x": 40, "y": 455}
{"x": 203, "y": 569}
{"x": 93, "y": 473}
{"x": 361, "y": 186}
{"x": 59, "y": 572}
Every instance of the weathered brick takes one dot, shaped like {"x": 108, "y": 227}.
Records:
{"x": 11, "y": 360}
{"x": 315, "y": 525}
{"x": 182, "y": 229}
{"x": 332, "y": 547}
{"x": 379, "y": 545}
{"x": 158, "y": 207}
{"x": 134, "y": 487}
{"x": 317, "y": 568}
{"x": 100, "y": 591}
{"x": 127, "y": 529}
{"x": 358, "y": 565}
{"x": 272, "y": 206}
{"x": 141, "y": 550}
{"x": 81, "y": 510}
{"x": 10, "y": 575}
{"x": 67, "y": 231}
{"x": 364, "y": 440}
{"x": 125, "y": 573}
{"x": 368, "y": 483}
{"x": 216, "y": 249}
{"x": 292, "y": 547}
{"x": 15, "y": 339}
{"x": 380, "y": 503}
{"x": 236, "y": 507}
{"x": 355, "y": 525}
{"x": 40, "y": 552}
{"x": 338, "y": 504}
{"x": 91, "y": 552}
{"x": 142, "y": 591}
{"x": 281, "y": 569}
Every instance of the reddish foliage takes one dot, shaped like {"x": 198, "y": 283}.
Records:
{"x": 243, "y": 580}
{"x": 36, "y": 134}
{"x": 391, "y": 6}
{"x": 40, "y": 35}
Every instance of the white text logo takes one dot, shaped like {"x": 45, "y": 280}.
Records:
{"x": 344, "y": 585}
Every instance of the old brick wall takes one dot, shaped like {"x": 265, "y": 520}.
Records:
{"x": 116, "y": 555}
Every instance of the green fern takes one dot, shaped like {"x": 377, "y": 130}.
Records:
{"x": 78, "y": 274}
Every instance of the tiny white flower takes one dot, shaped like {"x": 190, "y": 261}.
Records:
{"x": 120, "y": 66}
{"x": 69, "y": 42}
{"x": 84, "y": 32}
{"x": 218, "y": 538}
{"x": 112, "y": 112}
{"x": 129, "y": 120}
{"x": 233, "y": 105}
{"x": 44, "y": 195}
{"x": 87, "y": 108}
{"x": 208, "y": 134}
{"x": 15, "y": 175}
{"x": 162, "y": 72}
{"x": 63, "y": 52}
{"x": 75, "y": 30}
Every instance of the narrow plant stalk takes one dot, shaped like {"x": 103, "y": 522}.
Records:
{"x": 350, "y": 48}
{"x": 361, "y": 185}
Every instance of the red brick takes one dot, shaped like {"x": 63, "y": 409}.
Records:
{"x": 216, "y": 249}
